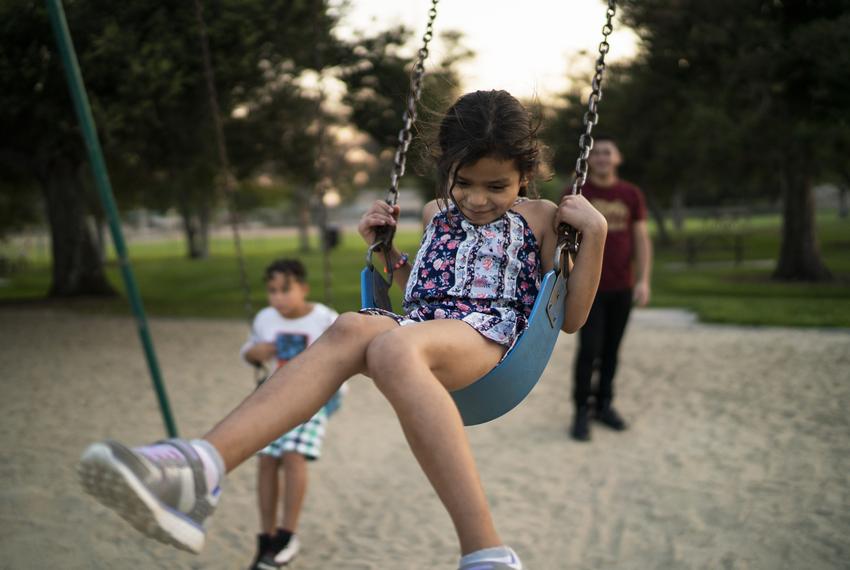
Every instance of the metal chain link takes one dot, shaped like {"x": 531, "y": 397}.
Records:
{"x": 384, "y": 235}
{"x": 568, "y": 238}
{"x": 591, "y": 116}
{"x": 405, "y": 135}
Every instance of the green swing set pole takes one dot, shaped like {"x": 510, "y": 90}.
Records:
{"x": 104, "y": 188}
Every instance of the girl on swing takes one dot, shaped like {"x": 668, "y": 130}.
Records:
{"x": 467, "y": 297}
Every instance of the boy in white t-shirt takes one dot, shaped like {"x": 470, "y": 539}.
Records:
{"x": 280, "y": 332}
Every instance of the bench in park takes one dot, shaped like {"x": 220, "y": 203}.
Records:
{"x": 725, "y": 231}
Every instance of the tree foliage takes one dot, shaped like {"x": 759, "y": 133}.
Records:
{"x": 142, "y": 65}
{"x": 731, "y": 101}
{"x": 378, "y": 83}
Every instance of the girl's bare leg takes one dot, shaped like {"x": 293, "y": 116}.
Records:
{"x": 295, "y": 489}
{"x": 414, "y": 367}
{"x": 267, "y": 492}
{"x": 296, "y": 391}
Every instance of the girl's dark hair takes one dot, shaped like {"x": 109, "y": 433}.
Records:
{"x": 487, "y": 123}
{"x": 289, "y": 267}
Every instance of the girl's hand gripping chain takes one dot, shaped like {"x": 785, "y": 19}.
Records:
{"x": 379, "y": 215}
{"x": 576, "y": 211}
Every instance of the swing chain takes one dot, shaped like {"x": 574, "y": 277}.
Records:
{"x": 591, "y": 116}
{"x": 384, "y": 234}
{"x": 568, "y": 236}
{"x": 405, "y": 135}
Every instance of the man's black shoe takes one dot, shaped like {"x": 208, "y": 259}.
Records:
{"x": 608, "y": 416}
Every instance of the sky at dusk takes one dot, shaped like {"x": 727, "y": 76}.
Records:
{"x": 528, "y": 47}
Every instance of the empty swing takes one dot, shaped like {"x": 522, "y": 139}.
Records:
{"x": 506, "y": 385}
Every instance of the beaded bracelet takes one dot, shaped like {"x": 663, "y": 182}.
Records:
{"x": 402, "y": 261}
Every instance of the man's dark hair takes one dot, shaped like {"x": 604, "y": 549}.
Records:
{"x": 290, "y": 267}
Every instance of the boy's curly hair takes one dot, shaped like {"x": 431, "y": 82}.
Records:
{"x": 289, "y": 267}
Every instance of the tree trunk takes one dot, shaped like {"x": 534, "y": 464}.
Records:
{"x": 678, "y": 207}
{"x": 195, "y": 226}
{"x": 190, "y": 230}
{"x": 327, "y": 274}
{"x": 203, "y": 237}
{"x": 197, "y": 240}
{"x": 799, "y": 254}
{"x": 77, "y": 264}
{"x": 100, "y": 232}
{"x": 302, "y": 198}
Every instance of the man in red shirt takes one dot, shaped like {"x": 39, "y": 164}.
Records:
{"x": 625, "y": 281}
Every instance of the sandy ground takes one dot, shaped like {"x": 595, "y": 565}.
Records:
{"x": 738, "y": 456}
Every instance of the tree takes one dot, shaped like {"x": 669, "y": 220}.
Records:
{"x": 19, "y": 203}
{"x": 252, "y": 44}
{"x": 761, "y": 84}
{"x": 278, "y": 134}
{"x": 141, "y": 63}
{"x": 378, "y": 83}
{"x": 814, "y": 100}
{"x": 41, "y": 137}
{"x": 730, "y": 101}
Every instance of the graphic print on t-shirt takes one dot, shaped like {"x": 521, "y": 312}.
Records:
{"x": 616, "y": 212}
{"x": 289, "y": 345}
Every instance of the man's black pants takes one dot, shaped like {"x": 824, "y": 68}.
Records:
{"x": 599, "y": 343}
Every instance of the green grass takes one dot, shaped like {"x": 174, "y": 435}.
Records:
{"x": 173, "y": 285}
{"x": 717, "y": 291}
{"x": 720, "y": 292}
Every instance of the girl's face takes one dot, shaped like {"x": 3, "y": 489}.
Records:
{"x": 486, "y": 189}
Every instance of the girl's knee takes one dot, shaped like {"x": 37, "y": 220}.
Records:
{"x": 349, "y": 326}
{"x": 388, "y": 354}
{"x": 358, "y": 323}
{"x": 347, "y": 323}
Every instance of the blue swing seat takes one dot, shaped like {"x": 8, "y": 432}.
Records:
{"x": 504, "y": 387}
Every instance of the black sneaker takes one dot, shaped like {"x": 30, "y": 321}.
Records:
{"x": 607, "y": 415}
{"x": 286, "y": 547}
{"x": 581, "y": 425}
{"x": 264, "y": 559}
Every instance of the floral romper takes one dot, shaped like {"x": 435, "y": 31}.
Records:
{"x": 486, "y": 276}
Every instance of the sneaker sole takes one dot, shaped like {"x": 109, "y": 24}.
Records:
{"x": 116, "y": 487}
{"x": 287, "y": 555}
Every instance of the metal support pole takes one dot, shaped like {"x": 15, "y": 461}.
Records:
{"x": 104, "y": 188}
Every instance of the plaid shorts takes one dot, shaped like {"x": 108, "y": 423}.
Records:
{"x": 305, "y": 439}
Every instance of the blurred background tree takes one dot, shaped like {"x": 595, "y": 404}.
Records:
{"x": 142, "y": 67}
{"x": 730, "y": 102}
{"x": 377, "y": 84}
{"x": 727, "y": 104}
